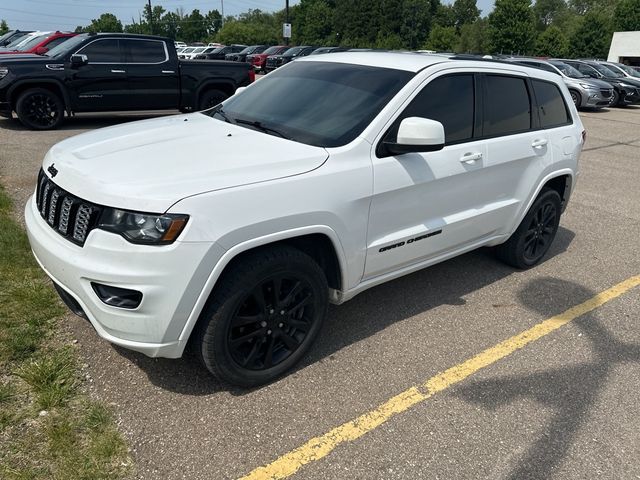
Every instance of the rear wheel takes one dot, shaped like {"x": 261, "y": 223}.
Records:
{"x": 40, "y": 109}
{"x": 211, "y": 98}
{"x": 263, "y": 316}
{"x": 531, "y": 241}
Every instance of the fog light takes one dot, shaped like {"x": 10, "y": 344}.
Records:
{"x": 117, "y": 297}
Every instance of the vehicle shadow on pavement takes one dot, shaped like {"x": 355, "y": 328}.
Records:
{"x": 364, "y": 316}
{"x": 571, "y": 391}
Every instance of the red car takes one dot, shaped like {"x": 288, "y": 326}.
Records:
{"x": 40, "y": 42}
{"x": 258, "y": 60}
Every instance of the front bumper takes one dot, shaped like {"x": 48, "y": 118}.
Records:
{"x": 170, "y": 278}
{"x": 632, "y": 97}
{"x": 596, "y": 98}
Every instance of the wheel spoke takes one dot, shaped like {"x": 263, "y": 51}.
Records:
{"x": 268, "y": 357}
{"x": 297, "y": 324}
{"x": 242, "y": 320}
{"x": 236, "y": 342}
{"x": 252, "y": 354}
{"x": 291, "y": 295}
{"x": 289, "y": 341}
{"x": 301, "y": 303}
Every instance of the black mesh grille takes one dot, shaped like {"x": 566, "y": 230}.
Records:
{"x": 70, "y": 216}
{"x": 606, "y": 93}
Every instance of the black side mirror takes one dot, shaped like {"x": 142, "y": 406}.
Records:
{"x": 78, "y": 60}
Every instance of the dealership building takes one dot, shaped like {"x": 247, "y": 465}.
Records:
{"x": 625, "y": 48}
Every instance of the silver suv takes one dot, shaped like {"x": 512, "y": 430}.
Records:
{"x": 585, "y": 91}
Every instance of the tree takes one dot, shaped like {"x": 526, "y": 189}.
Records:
{"x": 106, "y": 23}
{"x": 314, "y": 25}
{"x": 512, "y": 27}
{"x": 592, "y": 38}
{"x": 465, "y": 12}
{"x": 552, "y": 43}
{"x": 626, "y": 16}
{"x": 546, "y": 11}
{"x": 4, "y": 28}
{"x": 442, "y": 39}
{"x": 473, "y": 37}
{"x": 194, "y": 27}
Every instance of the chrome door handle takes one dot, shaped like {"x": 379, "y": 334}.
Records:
{"x": 118, "y": 71}
{"x": 470, "y": 158}
{"x": 541, "y": 142}
{"x": 168, "y": 71}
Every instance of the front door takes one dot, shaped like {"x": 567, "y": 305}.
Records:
{"x": 102, "y": 84}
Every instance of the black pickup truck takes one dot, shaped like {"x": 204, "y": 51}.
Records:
{"x": 112, "y": 72}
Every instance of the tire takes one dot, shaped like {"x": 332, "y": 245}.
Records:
{"x": 575, "y": 97}
{"x": 211, "y": 98}
{"x": 531, "y": 241}
{"x": 262, "y": 317}
{"x": 616, "y": 100}
{"x": 40, "y": 109}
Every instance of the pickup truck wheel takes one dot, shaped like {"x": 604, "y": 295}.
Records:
{"x": 531, "y": 241}
{"x": 263, "y": 316}
{"x": 211, "y": 98}
{"x": 40, "y": 109}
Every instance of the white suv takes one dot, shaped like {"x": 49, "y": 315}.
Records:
{"x": 235, "y": 227}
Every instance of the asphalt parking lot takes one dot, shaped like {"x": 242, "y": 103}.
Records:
{"x": 369, "y": 401}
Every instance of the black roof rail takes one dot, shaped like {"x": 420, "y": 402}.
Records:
{"x": 477, "y": 58}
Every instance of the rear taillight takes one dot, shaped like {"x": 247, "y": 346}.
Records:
{"x": 584, "y": 137}
{"x": 252, "y": 75}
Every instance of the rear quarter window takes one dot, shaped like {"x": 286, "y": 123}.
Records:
{"x": 552, "y": 108}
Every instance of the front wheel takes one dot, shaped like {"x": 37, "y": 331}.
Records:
{"x": 575, "y": 96}
{"x": 40, "y": 109}
{"x": 531, "y": 241}
{"x": 262, "y": 317}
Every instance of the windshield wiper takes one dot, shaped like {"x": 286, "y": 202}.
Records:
{"x": 261, "y": 126}
{"x": 221, "y": 112}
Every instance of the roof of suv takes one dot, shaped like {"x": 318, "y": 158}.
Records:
{"x": 409, "y": 61}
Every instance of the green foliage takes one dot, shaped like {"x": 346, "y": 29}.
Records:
{"x": 548, "y": 11}
{"x": 252, "y": 27}
{"x": 442, "y": 39}
{"x": 512, "y": 27}
{"x": 4, "y": 27}
{"x": 465, "y": 12}
{"x": 592, "y": 37}
{"x": 314, "y": 25}
{"x": 626, "y": 16}
{"x": 552, "y": 43}
{"x": 106, "y": 23}
{"x": 473, "y": 37}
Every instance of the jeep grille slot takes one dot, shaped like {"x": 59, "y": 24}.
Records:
{"x": 70, "y": 216}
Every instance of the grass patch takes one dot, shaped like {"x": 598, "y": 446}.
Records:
{"x": 48, "y": 428}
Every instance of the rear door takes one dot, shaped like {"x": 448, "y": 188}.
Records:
{"x": 101, "y": 84}
{"x": 153, "y": 79}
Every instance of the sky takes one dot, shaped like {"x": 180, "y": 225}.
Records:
{"x": 67, "y": 14}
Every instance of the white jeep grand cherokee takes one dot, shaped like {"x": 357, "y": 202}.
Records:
{"x": 233, "y": 228}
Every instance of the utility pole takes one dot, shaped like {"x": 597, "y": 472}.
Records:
{"x": 151, "y": 18}
{"x": 222, "y": 11}
{"x": 287, "y": 9}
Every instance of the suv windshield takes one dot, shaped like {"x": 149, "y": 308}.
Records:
{"x": 64, "y": 47}
{"x": 629, "y": 70}
{"x": 293, "y": 51}
{"x": 271, "y": 50}
{"x": 32, "y": 42}
{"x": 316, "y": 103}
{"x": 607, "y": 72}
{"x": 568, "y": 70}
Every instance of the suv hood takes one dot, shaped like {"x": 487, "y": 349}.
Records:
{"x": 151, "y": 164}
{"x": 588, "y": 81}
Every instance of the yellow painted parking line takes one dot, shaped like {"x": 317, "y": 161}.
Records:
{"x": 320, "y": 447}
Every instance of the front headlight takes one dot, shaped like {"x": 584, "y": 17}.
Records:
{"x": 588, "y": 86}
{"x": 4, "y": 71}
{"x": 145, "y": 228}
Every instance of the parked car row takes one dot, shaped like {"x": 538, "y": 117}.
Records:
{"x": 39, "y": 43}
{"x": 591, "y": 83}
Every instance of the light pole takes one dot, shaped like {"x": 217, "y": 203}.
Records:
{"x": 222, "y": 11}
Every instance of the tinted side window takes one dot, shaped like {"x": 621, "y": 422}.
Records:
{"x": 553, "y": 109}
{"x": 145, "y": 51}
{"x": 451, "y": 101}
{"x": 102, "y": 51}
{"x": 507, "y": 108}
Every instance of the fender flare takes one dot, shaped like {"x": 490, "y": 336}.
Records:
{"x": 40, "y": 82}
{"x": 245, "y": 246}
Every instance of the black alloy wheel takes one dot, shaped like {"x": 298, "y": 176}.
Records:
{"x": 616, "y": 99}
{"x": 212, "y": 98}
{"x": 272, "y": 322}
{"x": 40, "y": 109}
{"x": 530, "y": 242}
{"x": 262, "y": 317}
{"x": 541, "y": 231}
